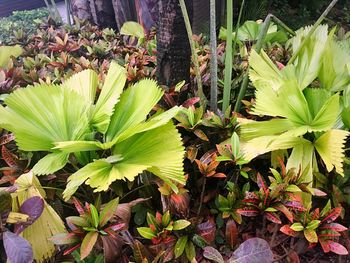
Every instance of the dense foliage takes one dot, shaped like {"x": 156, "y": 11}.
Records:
{"x": 19, "y": 23}
{"x": 148, "y": 174}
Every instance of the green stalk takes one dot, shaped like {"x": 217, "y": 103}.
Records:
{"x": 213, "y": 59}
{"x": 258, "y": 47}
{"x": 314, "y": 27}
{"x": 194, "y": 54}
{"x": 228, "y": 57}
{"x": 49, "y": 8}
{"x": 283, "y": 25}
{"x": 67, "y": 4}
{"x": 57, "y": 14}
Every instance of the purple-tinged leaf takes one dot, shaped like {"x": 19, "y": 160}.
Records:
{"x": 253, "y": 250}
{"x": 212, "y": 254}
{"x": 273, "y": 217}
{"x": 332, "y": 215}
{"x": 18, "y": 250}
{"x": 295, "y": 205}
{"x": 207, "y": 231}
{"x": 261, "y": 182}
{"x": 285, "y": 211}
{"x": 191, "y": 102}
{"x": 334, "y": 226}
{"x": 33, "y": 207}
{"x": 251, "y": 212}
{"x": 338, "y": 248}
{"x": 231, "y": 233}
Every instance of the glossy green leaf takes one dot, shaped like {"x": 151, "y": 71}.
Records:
{"x": 181, "y": 224}
{"x": 146, "y": 232}
{"x": 180, "y": 246}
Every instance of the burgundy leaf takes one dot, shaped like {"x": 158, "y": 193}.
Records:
{"x": 261, "y": 182}
{"x": 112, "y": 248}
{"x": 6, "y": 139}
{"x": 18, "y": 250}
{"x": 10, "y": 159}
{"x": 285, "y": 211}
{"x": 332, "y": 215}
{"x": 337, "y": 248}
{"x": 325, "y": 245}
{"x": 70, "y": 250}
{"x": 295, "y": 205}
{"x": 273, "y": 217}
{"x": 334, "y": 226}
{"x": 248, "y": 211}
{"x": 288, "y": 231}
{"x": 78, "y": 206}
{"x": 231, "y": 233}
{"x": 207, "y": 231}
{"x": 191, "y": 102}
{"x": 253, "y": 250}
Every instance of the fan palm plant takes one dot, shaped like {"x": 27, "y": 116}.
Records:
{"x": 65, "y": 119}
{"x": 305, "y": 113}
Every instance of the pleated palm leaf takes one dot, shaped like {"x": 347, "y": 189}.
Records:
{"x": 303, "y": 116}
{"x": 47, "y": 225}
{"x": 65, "y": 119}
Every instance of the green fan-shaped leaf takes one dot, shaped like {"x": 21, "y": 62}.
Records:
{"x": 151, "y": 150}
{"x": 110, "y": 93}
{"x": 134, "y": 106}
{"x": 42, "y": 115}
{"x": 334, "y": 74}
{"x": 84, "y": 83}
{"x": 330, "y": 147}
{"x": 308, "y": 63}
{"x": 51, "y": 163}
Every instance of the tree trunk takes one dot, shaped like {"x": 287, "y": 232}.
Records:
{"x": 173, "y": 48}
{"x": 103, "y": 13}
{"x": 81, "y": 9}
{"x": 124, "y": 11}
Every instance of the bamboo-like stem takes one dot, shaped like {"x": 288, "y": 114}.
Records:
{"x": 49, "y": 9}
{"x": 228, "y": 57}
{"x": 67, "y": 4}
{"x": 314, "y": 27}
{"x": 194, "y": 54}
{"x": 283, "y": 25}
{"x": 213, "y": 59}
{"x": 57, "y": 14}
{"x": 258, "y": 47}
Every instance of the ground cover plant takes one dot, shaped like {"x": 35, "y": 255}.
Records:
{"x": 99, "y": 163}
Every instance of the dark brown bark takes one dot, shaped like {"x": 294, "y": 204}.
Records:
{"x": 81, "y": 9}
{"x": 103, "y": 13}
{"x": 173, "y": 48}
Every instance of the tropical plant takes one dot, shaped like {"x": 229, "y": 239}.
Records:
{"x": 48, "y": 224}
{"x": 90, "y": 228}
{"x": 307, "y": 113}
{"x": 136, "y": 144}
{"x": 16, "y": 248}
{"x": 319, "y": 227}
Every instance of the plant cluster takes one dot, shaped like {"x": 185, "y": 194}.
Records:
{"x": 148, "y": 174}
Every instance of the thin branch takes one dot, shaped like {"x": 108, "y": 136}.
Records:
{"x": 213, "y": 59}
{"x": 194, "y": 54}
